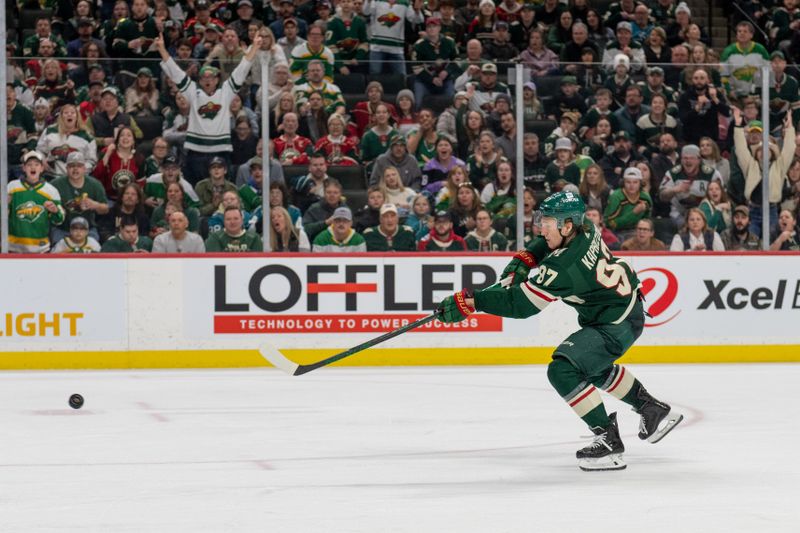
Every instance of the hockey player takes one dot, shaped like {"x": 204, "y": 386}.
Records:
{"x": 576, "y": 267}
{"x": 209, "y": 132}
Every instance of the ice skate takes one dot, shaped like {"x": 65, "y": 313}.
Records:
{"x": 656, "y": 419}
{"x": 605, "y": 451}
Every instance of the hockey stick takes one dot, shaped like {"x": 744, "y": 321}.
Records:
{"x": 274, "y": 356}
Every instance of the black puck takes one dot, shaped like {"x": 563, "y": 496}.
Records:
{"x": 76, "y": 401}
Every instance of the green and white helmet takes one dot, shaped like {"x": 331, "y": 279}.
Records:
{"x": 563, "y": 206}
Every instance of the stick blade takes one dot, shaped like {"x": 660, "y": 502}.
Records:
{"x": 277, "y": 359}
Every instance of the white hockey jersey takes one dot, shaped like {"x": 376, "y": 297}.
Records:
{"x": 209, "y": 127}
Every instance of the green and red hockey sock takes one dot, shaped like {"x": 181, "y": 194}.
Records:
{"x": 621, "y": 384}
{"x": 582, "y": 396}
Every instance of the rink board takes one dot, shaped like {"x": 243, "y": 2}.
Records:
{"x": 213, "y": 311}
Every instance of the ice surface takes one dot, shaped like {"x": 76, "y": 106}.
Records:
{"x": 474, "y": 449}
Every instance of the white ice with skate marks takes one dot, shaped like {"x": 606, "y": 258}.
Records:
{"x": 478, "y": 449}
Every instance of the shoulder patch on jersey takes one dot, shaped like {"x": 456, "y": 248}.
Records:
{"x": 368, "y": 231}
{"x": 675, "y": 169}
{"x": 706, "y": 168}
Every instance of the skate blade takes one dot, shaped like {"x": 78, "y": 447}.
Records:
{"x": 671, "y": 421}
{"x": 609, "y": 462}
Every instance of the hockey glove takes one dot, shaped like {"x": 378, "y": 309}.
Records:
{"x": 518, "y": 269}
{"x": 454, "y": 308}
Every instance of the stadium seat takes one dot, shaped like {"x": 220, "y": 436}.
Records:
{"x": 547, "y": 86}
{"x": 351, "y": 84}
{"x": 151, "y": 127}
{"x": 28, "y": 17}
{"x": 542, "y": 128}
{"x": 392, "y": 83}
{"x": 356, "y": 199}
{"x": 350, "y": 177}
{"x": 664, "y": 229}
{"x": 292, "y": 171}
{"x": 352, "y": 99}
{"x": 437, "y": 102}
{"x": 144, "y": 147}
{"x": 123, "y": 80}
{"x": 27, "y": 32}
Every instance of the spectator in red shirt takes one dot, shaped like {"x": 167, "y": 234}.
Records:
{"x": 442, "y": 238}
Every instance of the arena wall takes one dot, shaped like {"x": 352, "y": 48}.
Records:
{"x": 212, "y": 311}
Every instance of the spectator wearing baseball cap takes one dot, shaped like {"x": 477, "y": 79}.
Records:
{"x": 291, "y": 38}
{"x": 435, "y": 69}
{"x": 483, "y": 94}
{"x": 654, "y": 84}
{"x": 628, "y": 205}
{"x": 567, "y": 126}
{"x": 441, "y": 237}
{"x": 34, "y": 206}
{"x": 738, "y": 237}
{"x": 624, "y": 44}
{"x": 389, "y": 235}
{"x": 340, "y": 235}
{"x": 569, "y": 97}
{"x": 142, "y": 97}
{"x": 211, "y": 189}
{"x": 109, "y": 117}
{"x": 209, "y": 131}
{"x": 81, "y": 196}
{"x": 78, "y": 33}
{"x": 169, "y": 171}
{"x": 685, "y": 184}
{"x": 78, "y": 240}
{"x": 749, "y": 161}
{"x": 783, "y": 96}
{"x": 563, "y": 170}
{"x": 500, "y": 48}
{"x": 615, "y": 162}
{"x": 244, "y": 16}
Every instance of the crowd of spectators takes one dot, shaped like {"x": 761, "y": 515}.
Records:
{"x": 137, "y": 126}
